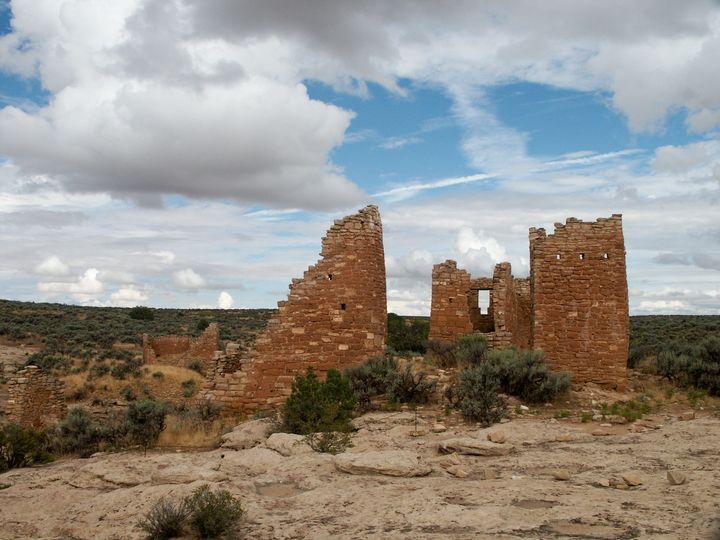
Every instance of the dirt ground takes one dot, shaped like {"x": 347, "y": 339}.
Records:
{"x": 306, "y": 496}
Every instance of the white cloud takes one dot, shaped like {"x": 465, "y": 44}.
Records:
{"x": 84, "y": 289}
{"x": 188, "y": 279}
{"x": 129, "y": 296}
{"x": 52, "y": 266}
{"x": 225, "y": 301}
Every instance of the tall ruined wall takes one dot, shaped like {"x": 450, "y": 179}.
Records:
{"x": 334, "y": 317}
{"x": 450, "y": 308}
{"x": 35, "y": 399}
{"x": 180, "y": 350}
{"x": 580, "y": 299}
{"x": 522, "y": 335}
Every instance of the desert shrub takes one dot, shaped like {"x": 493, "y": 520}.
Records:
{"x": 637, "y": 354}
{"x": 166, "y": 519}
{"x": 672, "y": 365}
{"x": 404, "y": 386}
{"x": 214, "y": 514}
{"x": 407, "y": 335}
{"x": 476, "y": 394}
{"x": 526, "y": 375}
{"x": 141, "y": 313}
{"x": 207, "y": 410}
{"x": 630, "y": 410}
{"x": 442, "y": 353}
{"x": 158, "y": 375}
{"x": 99, "y": 370}
{"x": 128, "y": 394}
{"x": 144, "y": 420}
{"x": 201, "y": 325}
{"x": 196, "y": 365}
{"x": 329, "y": 442}
{"x": 189, "y": 387}
{"x": 122, "y": 369}
{"x": 316, "y": 405}
{"x": 471, "y": 350}
{"x": 704, "y": 367}
{"x": 48, "y": 360}
{"x": 21, "y": 447}
{"x": 372, "y": 378}
{"x": 78, "y": 433}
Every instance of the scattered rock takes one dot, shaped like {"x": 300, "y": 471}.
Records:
{"x": 247, "y": 435}
{"x": 676, "y": 478}
{"x": 496, "y": 437}
{"x": 524, "y": 408}
{"x": 632, "y": 479}
{"x": 604, "y": 482}
{"x": 687, "y": 415}
{"x": 597, "y": 417}
{"x": 387, "y": 462}
{"x": 616, "y": 419}
{"x": 288, "y": 444}
{"x": 564, "y": 437}
{"x": 601, "y": 433}
{"x": 457, "y": 471}
{"x": 605, "y": 424}
{"x": 185, "y": 474}
{"x": 450, "y": 460}
{"x": 438, "y": 428}
{"x": 474, "y": 447}
{"x": 561, "y": 474}
{"x": 504, "y": 420}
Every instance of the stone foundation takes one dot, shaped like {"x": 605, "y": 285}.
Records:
{"x": 182, "y": 350}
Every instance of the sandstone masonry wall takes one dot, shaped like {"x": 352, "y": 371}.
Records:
{"x": 180, "y": 350}
{"x": 450, "y": 315}
{"x": 35, "y": 399}
{"x": 334, "y": 317}
{"x": 580, "y": 299}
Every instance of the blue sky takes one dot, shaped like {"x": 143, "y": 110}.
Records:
{"x": 193, "y": 153}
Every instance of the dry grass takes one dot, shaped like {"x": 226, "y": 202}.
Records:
{"x": 167, "y": 387}
{"x": 191, "y": 433}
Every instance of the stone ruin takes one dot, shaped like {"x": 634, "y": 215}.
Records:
{"x": 334, "y": 317}
{"x": 573, "y": 307}
{"x": 182, "y": 350}
{"x": 35, "y": 398}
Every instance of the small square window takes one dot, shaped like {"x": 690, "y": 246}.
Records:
{"x": 557, "y": 256}
{"x": 606, "y": 256}
{"x": 330, "y": 277}
{"x": 582, "y": 256}
{"x": 343, "y": 307}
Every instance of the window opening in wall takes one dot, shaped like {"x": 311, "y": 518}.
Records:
{"x": 330, "y": 277}
{"x": 450, "y": 300}
{"x": 484, "y": 301}
{"x": 343, "y": 307}
{"x": 606, "y": 256}
{"x": 557, "y": 256}
{"x": 582, "y": 256}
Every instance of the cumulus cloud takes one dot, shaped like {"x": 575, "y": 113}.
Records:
{"x": 225, "y": 301}
{"x": 52, "y": 266}
{"x": 84, "y": 289}
{"x": 188, "y": 279}
{"x": 129, "y": 296}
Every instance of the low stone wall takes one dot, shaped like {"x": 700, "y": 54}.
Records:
{"x": 181, "y": 350}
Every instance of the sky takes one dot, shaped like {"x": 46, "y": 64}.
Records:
{"x": 192, "y": 153}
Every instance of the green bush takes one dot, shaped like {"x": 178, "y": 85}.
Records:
{"x": 316, "y": 405}
{"x": 48, "y": 360}
{"x": 22, "y": 447}
{"x": 328, "y": 442}
{"x": 142, "y": 313}
{"x": 165, "y": 520}
{"x": 526, "y": 375}
{"x": 78, "y": 433}
{"x": 372, "y": 378}
{"x": 196, "y": 365}
{"x": 189, "y": 388}
{"x": 404, "y": 386}
{"x": 442, "y": 353}
{"x": 144, "y": 420}
{"x": 477, "y": 396}
{"x": 407, "y": 335}
{"x": 689, "y": 365}
{"x": 471, "y": 350}
{"x": 201, "y": 325}
{"x": 214, "y": 514}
